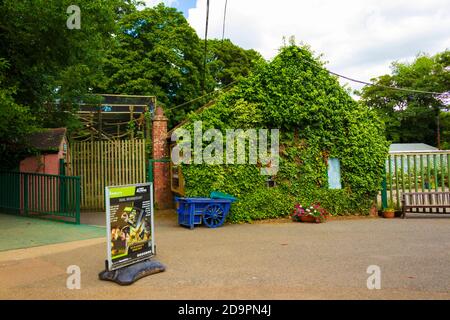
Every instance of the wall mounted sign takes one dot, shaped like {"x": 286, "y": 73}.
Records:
{"x": 334, "y": 174}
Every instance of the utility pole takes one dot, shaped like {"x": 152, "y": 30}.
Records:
{"x": 206, "y": 46}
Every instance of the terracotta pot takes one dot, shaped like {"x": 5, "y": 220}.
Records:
{"x": 389, "y": 214}
{"x": 308, "y": 219}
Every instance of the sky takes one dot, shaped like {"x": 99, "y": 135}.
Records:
{"x": 359, "y": 39}
{"x": 181, "y": 5}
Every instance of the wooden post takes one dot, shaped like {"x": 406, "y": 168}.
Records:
{"x": 100, "y": 124}
{"x": 131, "y": 108}
{"x": 91, "y": 124}
{"x": 148, "y": 133}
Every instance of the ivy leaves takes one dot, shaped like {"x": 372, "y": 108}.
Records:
{"x": 318, "y": 119}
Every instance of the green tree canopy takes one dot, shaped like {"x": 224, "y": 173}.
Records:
{"x": 49, "y": 61}
{"x": 156, "y": 52}
{"x": 227, "y": 62}
{"x": 409, "y": 116}
{"x": 47, "y": 68}
{"x": 15, "y": 123}
{"x": 42, "y": 61}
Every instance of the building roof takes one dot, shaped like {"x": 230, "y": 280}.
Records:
{"x": 411, "y": 147}
{"x": 47, "y": 140}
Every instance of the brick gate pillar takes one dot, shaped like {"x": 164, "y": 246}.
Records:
{"x": 161, "y": 174}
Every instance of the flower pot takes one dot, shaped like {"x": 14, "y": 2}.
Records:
{"x": 309, "y": 219}
{"x": 389, "y": 214}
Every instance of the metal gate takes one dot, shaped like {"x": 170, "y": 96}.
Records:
{"x": 35, "y": 194}
{"x": 414, "y": 172}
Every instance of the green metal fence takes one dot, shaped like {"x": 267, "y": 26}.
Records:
{"x": 414, "y": 172}
{"x": 35, "y": 194}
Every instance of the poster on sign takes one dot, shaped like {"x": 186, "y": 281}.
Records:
{"x": 129, "y": 222}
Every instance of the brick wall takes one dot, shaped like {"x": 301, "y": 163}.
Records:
{"x": 161, "y": 173}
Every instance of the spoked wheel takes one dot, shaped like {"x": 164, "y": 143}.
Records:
{"x": 213, "y": 216}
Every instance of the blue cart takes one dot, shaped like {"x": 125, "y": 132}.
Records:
{"x": 212, "y": 212}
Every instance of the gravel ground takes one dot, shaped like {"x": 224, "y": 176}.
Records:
{"x": 275, "y": 260}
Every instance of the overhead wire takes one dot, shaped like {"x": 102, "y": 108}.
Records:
{"x": 331, "y": 72}
{"x": 315, "y": 65}
{"x": 200, "y": 97}
{"x": 372, "y": 84}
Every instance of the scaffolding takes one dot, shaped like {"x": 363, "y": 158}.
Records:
{"x": 116, "y": 117}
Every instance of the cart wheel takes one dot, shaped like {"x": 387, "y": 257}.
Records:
{"x": 213, "y": 216}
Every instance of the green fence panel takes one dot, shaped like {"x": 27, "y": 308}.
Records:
{"x": 416, "y": 180}
{"x": 435, "y": 176}
{"x": 36, "y": 194}
{"x": 384, "y": 202}
{"x": 448, "y": 171}
{"x": 442, "y": 167}
{"x": 391, "y": 188}
{"x": 397, "y": 184}
{"x": 10, "y": 193}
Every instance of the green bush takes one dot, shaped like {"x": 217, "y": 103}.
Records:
{"x": 317, "y": 119}
{"x": 264, "y": 203}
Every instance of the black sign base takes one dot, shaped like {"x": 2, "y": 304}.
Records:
{"x": 129, "y": 274}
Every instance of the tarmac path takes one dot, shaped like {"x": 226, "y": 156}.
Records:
{"x": 270, "y": 260}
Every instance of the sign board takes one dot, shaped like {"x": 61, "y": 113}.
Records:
{"x": 129, "y": 224}
{"x": 334, "y": 174}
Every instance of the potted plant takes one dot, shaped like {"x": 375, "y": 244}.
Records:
{"x": 389, "y": 212}
{"x": 309, "y": 213}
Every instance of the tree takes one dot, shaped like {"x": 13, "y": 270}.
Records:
{"x": 410, "y": 116}
{"x": 15, "y": 123}
{"x": 156, "y": 52}
{"x": 45, "y": 67}
{"x": 228, "y": 62}
{"x": 50, "y": 62}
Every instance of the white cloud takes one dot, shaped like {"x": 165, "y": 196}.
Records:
{"x": 359, "y": 38}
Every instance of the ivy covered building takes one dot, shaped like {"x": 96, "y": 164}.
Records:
{"x": 332, "y": 149}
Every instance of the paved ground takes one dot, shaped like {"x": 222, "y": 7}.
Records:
{"x": 277, "y": 260}
{"x": 24, "y": 232}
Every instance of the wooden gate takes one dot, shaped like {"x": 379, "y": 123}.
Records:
{"x": 106, "y": 163}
